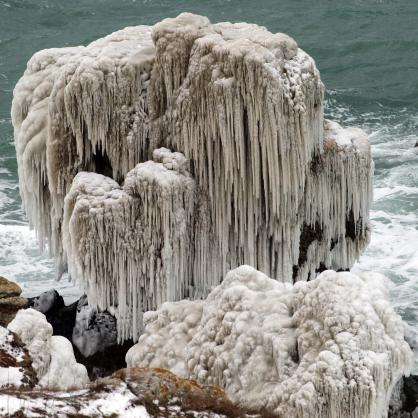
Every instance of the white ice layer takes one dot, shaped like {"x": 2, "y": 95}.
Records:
{"x": 329, "y": 348}
{"x": 254, "y": 178}
{"x": 52, "y": 356}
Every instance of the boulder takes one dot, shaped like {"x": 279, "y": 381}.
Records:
{"x": 9, "y": 308}
{"x": 95, "y": 341}
{"x": 15, "y": 362}
{"x": 8, "y": 289}
{"x": 61, "y": 317}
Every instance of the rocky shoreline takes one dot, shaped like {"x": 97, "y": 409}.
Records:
{"x": 158, "y": 391}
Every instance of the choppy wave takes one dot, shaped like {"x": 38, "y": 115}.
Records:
{"x": 21, "y": 261}
{"x": 393, "y": 249}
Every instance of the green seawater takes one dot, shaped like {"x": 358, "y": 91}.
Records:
{"x": 366, "y": 50}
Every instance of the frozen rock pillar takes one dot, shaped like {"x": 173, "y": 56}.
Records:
{"x": 130, "y": 247}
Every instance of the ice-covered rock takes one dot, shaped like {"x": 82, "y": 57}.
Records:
{"x": 52, "y": 356}
{"x": 15, "y": 363}
{"x": 93, "y": 331}
{"x": 208, "y": 151}
{"x": 130, "y": 246}
{"x": 332, "y": 347}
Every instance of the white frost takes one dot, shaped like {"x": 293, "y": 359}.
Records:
{"x": 332, "y": 347}
{"x": 52, "y": 356}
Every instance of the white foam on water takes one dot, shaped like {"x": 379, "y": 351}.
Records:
{"x": 393, "y": 249}
{"x": 21, "y": 261}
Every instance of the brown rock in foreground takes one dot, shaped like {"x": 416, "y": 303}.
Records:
{"x": 129, "y": 392}
{"x": 9, "y": 308}
{"x": 10, "y": 300}
{"x": 8, "y": 288}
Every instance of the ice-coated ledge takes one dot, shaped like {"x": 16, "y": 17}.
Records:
{"x": 332, "y": 347}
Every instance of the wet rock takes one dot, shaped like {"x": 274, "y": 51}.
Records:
{"x": 61, "y": 317}
{"x": 8, "y": 289}
{"x": 95, "y": 341}
{"x": 404, "y": 401}
{"x": 9, "y": 307}
{"x": 10, "y": 300}
{"x": 48, "y": 302}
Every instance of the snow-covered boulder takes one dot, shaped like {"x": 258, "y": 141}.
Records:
{"x": 52, "y": 356}
{"x": 15, "y": 363}
{"x": 331, "y": 347}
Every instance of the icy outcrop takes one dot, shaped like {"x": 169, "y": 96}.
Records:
{"x": 74, "y": 109}
{"x": 52, "y": 356}
{"x": 156, "y": 159}
{"x": 130, "y": 246}
{"x": 332, "y": 347}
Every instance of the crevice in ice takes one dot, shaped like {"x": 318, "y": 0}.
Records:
{"x": 102, "y": 163}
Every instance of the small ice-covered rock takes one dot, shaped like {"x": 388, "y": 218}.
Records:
{"x": 15, "y": 363}
{"x": 52, "y": 356}
{"x": 331, "y": 347}
{"x": 94, "y": 331}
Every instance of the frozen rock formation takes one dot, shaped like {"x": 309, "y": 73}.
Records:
{"x": 332, "y": 347}
{"x": 52, "y": 356}
{"x": 130, "y": 246}
{"x": 157, "y": 158}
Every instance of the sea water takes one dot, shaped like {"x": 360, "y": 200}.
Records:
{"x": 366, "y": 50}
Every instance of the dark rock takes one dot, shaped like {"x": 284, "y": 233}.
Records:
{"x": 8, "y": 289}
{"x": 410, "y": 391}
{"x": 416, "y": 144}
{"x": 95, "y": 341}
{"x": 48, "y": 302}
{"x": 61, "y": 317}
{"x": 404, "y": 400}
{"x": 308, "y": 235}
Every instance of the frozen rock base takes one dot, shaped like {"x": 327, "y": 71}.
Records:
{"x": 156, "y": 159}
{"x": 332, "y": 347}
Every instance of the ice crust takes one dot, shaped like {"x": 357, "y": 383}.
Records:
{"x": 156, "y": 159}
{"x": 52, "y": 356}
{"x": 329, "y": 348}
